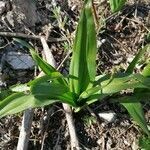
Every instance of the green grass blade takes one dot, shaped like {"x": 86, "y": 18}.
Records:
{"x": 83, "y": 64}
{"x": 144, "y": 143}
{"x": 4, "y": 94}
{"x": 19, "y": 101}
{"x": 136, "y": 112}
{"x": 133, "y": 106}
{"x": 46, "y": 68}
{"x": 135, "y": 109}
{"x": 116, "y": 5}
{"x": 131, "y": 67}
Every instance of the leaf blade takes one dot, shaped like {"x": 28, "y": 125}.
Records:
{"x": 52, "y": 90}
{"x": 84, "y": 52}
{"x": 136, "y": 112}
{"x": 18, "y": 102}
{"x": 46, "y": 68}
{"x": 116, "y": 5}
{"x": 131, "y": 67}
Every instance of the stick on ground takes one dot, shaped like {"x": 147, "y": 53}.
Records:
{"x": 26, "y": 36}
{"x": 25, "y": 130}
{"x": 28, "y": 115}
{"x": 67, "y": 108}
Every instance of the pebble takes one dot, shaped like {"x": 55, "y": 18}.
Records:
{"x": 108, "y": 116}
{"x": 10, "y": 18}
{"x": 130, "y": 58}
{"x": 19, "y": 61}
{"x": 2, "y": 7}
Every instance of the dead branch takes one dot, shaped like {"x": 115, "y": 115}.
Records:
{"x": 26, "y": 36}
{"x": 25, "y": 130}
{"x": 28, "y": 115}
{"x": 68, "y": 111}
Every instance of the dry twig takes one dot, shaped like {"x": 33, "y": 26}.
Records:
{"x": 68, "y": 111}
{"x": 34, "y": 37}
{"x": 25, "y": 130}
{"x": 28, "y": 114}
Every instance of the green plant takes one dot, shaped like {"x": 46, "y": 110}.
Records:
{"x": 89, "y": 120}
{"x": 144, "y": 143}
{"x": 81, "y": 87}
{"x": 116, "y": 5}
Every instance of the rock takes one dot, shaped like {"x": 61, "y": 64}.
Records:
{"x": 130, "y": 58}
{"x": 10, "y": 18}
{"x": 19, "y": 61}
{"x": 100, "y": 42}
{"x": 24, "y": 12}
{"x": 4, "y": 7}
{"x": 109, "y": 116}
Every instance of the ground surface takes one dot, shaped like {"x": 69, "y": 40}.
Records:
{"x": 119, "y": 38}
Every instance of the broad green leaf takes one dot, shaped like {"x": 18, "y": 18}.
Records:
{"x": 131, "y": 67}
{"x": 44, "y": 78}
{"x": 116, "y": 5}
{"x": 83, "y": 64}
{"x": 129, "y": 82}
{"x": 146, "y": 71}
{"x": 133, "y": 106}
{"x": 115, "y": 84}
{"x": 144, "y": 143}
{"x": 26, "y": 87}
{"x": 4, "y": 94}
{"x": 54, "y": 90}
{"x": 136, "y": 112}
{"x": 19, "y": 101}
{"x": 135, "y": 109}
{"x": 46, "y": 68}
{"x": 122, "y": 82}
{"x": 42, "y": 93}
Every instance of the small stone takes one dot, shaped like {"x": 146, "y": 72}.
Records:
{"x": 130, "y": 58}
{"x": 100, "y": 141}
{"x": 108, "y": 116}
{"x": 100, "y": 42}
{"x": 10, "y": 18}
{"x": 2, "y": 7}
{"x": 126, "y": 143}
{"x": 19, "y": 61}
